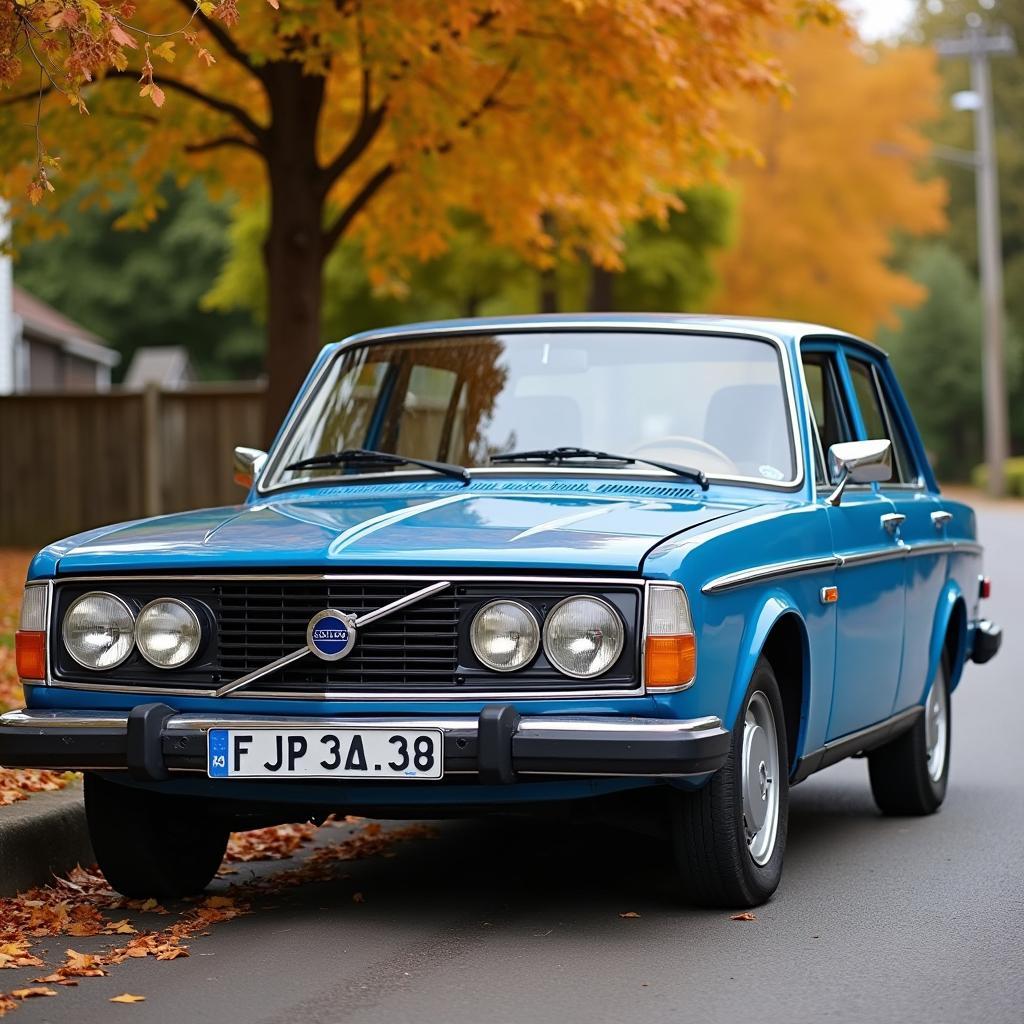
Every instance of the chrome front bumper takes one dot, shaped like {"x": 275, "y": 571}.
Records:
{"x": 153, "y": 741}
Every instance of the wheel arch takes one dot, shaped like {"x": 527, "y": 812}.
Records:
{"x": 949, "y": 635}
{"x": 778, "y": 632}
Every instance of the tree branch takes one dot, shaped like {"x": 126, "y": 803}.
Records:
{"x": 222, "y": 141}
{"x": 213, "y": 102}
{"x": 357, "y": 144}
{"x": 341, "y": 224}
{"x": 223, "y": 37}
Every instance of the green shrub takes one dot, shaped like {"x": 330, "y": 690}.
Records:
{"x": 1014, "y": 477}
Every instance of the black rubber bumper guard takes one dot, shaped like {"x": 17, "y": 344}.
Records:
{"x": 498, "y": 746}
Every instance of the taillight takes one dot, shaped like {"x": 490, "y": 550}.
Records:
{"x": 670, "y": 651}
{"x": 984, "y": 587}
{"x": 30, "y": 639}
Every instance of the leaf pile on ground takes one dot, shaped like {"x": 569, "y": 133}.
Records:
{"x": 83, "y": 905}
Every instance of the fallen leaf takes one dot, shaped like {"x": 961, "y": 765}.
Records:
{"x": 216, "y": 902}
{"x": 629, "y": 913}
{"x": 745, "y": 916}
{"x": 32, "y": 993}
{"x": 127, "y": 997}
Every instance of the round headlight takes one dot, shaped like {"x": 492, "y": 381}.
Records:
{"x": 99, "y": 630}
{"x": 505, "y": 635}
{"x": 583, "y": 636}
{"x": 168, "y": 633}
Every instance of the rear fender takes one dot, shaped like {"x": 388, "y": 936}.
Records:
{"x": 952, "y": 608}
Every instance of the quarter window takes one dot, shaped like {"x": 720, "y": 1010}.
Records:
{"x": 879, "y": 421}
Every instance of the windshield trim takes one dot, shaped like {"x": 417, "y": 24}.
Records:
{"x": 536, "y": 327}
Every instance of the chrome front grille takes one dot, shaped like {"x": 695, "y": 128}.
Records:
{"x": 417, "y": 647}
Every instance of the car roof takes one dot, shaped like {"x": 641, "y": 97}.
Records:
{"x": 787, "y": 331}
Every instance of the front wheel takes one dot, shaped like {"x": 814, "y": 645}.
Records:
{"x": 729, "y": 836}
{"x": 909, "y": 774}
{"x": 152, "y": 844}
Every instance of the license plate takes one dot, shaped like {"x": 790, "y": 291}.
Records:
{"x": 325, "y": 754}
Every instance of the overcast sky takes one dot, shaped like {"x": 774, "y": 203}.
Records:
{"x": 880, "y": 19}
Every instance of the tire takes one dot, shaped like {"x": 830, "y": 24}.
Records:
{"x": 719, "y": 865}
{"x": 909, "y": 775}
{"x": 152, "y": 844}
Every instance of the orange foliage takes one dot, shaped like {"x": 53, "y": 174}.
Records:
{"x": 840, "y": 174}
{"x": 594, "y": 111}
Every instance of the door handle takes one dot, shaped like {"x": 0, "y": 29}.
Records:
{"x": 892, "y": 521}
{"x": 939, "y": 519}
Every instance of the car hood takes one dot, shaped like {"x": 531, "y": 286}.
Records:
{"x": 532, "y": 525}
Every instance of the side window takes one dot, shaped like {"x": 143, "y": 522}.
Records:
{"x": 830, "y": 418}
{"x": 879, "y": 421}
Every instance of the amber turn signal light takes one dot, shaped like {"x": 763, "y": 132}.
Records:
{"x": 30, "y": 654}
{"x": 670, "y": 660}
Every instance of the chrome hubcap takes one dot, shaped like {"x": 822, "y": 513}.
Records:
{"x": 760, "y": 768}
{"x": 936, "y": 728}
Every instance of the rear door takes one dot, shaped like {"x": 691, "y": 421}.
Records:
{"x": 870, "y": 605}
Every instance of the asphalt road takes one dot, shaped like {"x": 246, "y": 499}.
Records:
{"x": 876, "y": 919}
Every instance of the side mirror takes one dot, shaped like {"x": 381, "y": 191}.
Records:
{"x": 249, "y": 464}
{"x": 859, "y": 462}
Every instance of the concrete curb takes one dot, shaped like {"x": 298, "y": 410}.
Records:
{"x": 42, "y": 836}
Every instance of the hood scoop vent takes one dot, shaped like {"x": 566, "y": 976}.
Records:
{"x": 483, "y": 486}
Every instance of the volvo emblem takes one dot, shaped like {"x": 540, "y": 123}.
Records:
{"x": 331, "y": 634}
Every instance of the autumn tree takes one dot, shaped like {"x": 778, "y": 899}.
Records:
{"x": 585, "y": 116}
{"x": 840, "y": 174}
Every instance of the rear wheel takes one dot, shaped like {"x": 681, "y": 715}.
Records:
{"x": 729, "y": 837}
{"x": 909, "y": 775}
{"x": 152, "y": 844}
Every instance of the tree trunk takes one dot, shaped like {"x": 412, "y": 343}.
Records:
{"x": 294, "y": 250}
{"x": 601, "y": 293}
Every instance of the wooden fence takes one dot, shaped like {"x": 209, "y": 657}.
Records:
{"x": 69, "y": 462}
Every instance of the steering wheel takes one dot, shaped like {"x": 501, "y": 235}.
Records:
{"x": 670, "y": 441}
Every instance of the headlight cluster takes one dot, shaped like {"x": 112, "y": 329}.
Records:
{"x": 583, "y": 636}
{"x": 100, "y": 631}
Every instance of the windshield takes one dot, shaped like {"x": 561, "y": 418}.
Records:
{"x": 715, "y": 403}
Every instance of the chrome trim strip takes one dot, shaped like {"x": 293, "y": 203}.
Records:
{"x": 62, "y": 721}
{"x": 582, "y": 723}
{"x": 259, "y": 673}
{"x": 402, "y": 602}
{"x": 855, "y": 558}
{"x": 534, "y": 326}
{"x": 765, "y": 572}
{"x": 619, "y": 581}
{"x": 841, "y": 560}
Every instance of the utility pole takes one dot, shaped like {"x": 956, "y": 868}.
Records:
{"x": 978, "y": 46}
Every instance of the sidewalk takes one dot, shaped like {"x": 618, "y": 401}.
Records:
{"x": 42, "y": 836}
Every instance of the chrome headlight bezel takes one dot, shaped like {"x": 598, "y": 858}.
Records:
{"x": 191, "y": 617}
{"x": 535, "y": 637}
{"x": 69, "y": 647}
{"x": 618, "y": 648}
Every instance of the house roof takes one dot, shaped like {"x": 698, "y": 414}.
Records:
{"x": 45, "y": 324}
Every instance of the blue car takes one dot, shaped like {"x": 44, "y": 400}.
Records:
{"x": 672, "y": 564}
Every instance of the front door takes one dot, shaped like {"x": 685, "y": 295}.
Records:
{"x": 869, "y": 608}
{"x": 921, "y": 524}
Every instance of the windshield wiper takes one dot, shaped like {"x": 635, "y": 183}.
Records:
{"x": 367, "y": 457}
{"x": 566, "y": 454}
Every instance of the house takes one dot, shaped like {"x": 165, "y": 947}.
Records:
{"x": 40, "y": 348}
